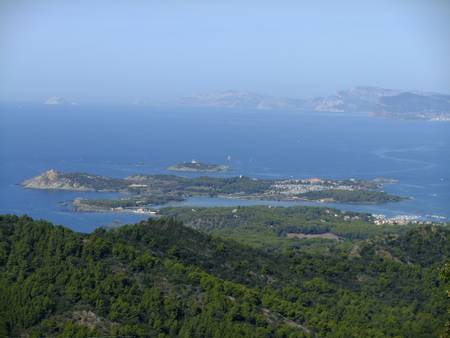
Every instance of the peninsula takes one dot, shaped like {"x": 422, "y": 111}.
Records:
{"x": 139, "y": 192}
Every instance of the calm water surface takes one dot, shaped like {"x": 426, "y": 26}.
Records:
{"x": 121, "y": 141}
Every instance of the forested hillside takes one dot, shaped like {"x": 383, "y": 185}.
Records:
{"x": 269, "y": 228}
{"x": 161, "y": 279}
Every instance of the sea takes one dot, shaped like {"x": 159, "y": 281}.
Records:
{"x": 124, "y": 140}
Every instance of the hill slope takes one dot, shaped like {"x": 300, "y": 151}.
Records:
{"x": 159, "y": 278}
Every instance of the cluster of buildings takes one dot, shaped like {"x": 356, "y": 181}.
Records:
{"x": 310, "y": 184}
{"x": 398, "y": 220}
{"x": 142, "y": 211}
{"x": 145, "y": 211}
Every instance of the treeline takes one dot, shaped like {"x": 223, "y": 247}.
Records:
{"x": 161, "y": 279}
{"x": 352, "y": 196}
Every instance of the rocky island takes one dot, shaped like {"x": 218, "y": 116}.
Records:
{"x": 57, "y": 100}
{"x": 196, "y": 166}
{"x": 139, "y": 192}
{"x": 55, "y": 180}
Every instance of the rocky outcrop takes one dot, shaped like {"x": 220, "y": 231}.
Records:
{"x": 54, "y": 180}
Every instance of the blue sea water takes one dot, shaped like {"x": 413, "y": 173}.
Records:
{"x": 120, "y": 141}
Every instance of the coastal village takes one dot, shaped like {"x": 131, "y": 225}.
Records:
{"x": 379, "y": 219}
{"x": 301, "y": 186}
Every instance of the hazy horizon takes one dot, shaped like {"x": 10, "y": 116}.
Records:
{"x": 123, "y": 51}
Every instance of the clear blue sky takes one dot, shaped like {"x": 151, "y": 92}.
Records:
{"x": 122, "y": 50}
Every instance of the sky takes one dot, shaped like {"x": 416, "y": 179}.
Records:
{"x": 120, "y": 51}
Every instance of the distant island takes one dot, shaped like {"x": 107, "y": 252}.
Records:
{"x": 377, "y": 102}
{"x": 140, "y": 192}
{"x": 196, "y": 166}
{"x": 57, "y": 100}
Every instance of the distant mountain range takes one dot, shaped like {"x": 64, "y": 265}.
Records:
{"x": 373, "y": 100}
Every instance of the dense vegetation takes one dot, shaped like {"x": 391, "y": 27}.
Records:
{"x": 267, "y": 227}
{"x": 204, "y": 184}
{"x": 130, "y": 202}
{"x": 161, "y": 279}
{"x": 352, "y": 196}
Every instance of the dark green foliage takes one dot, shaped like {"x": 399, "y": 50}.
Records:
{"x": 421, "y": 246}
{"x": 95, "y": 182}
{"x": 131, "y": 202}
{"x": 267, "y": 227}
{"x": 352, "y": 196}
{"x": 445, "y": 278}
{"x": 161, "y": 279}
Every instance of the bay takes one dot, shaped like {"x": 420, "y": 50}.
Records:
{"x": 124, "y": 140}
